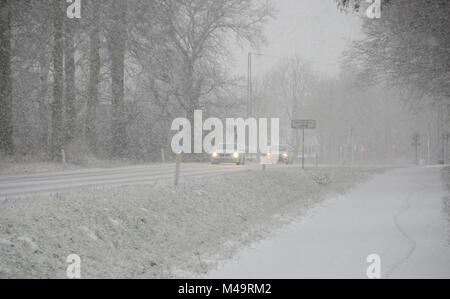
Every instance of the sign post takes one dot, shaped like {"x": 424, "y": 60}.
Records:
{"x": 304, "y": 125}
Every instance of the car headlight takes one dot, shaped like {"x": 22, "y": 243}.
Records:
{"x": 268, "y": 155}
{"x": 285, "y": 155}
{"x": 215, "y": 155}
{"x": 236, "y": 155}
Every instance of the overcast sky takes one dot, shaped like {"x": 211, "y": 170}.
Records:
{"x": 313, "y": 29}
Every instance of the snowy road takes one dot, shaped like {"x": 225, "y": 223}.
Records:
{"x": 52, "y": 182}
{"x": 398, "y": 216}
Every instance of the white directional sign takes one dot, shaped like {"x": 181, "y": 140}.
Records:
{"x": 304, "y": 124}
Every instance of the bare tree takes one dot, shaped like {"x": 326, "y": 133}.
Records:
{"x": 117, "y": 40}
{"x": 44, "y": 71}
{"x": 69, "y": 77}
{"x": 94, "y": 77}
{"x": 164, "y": 59}
{"x": 200, "y": 32}
{"x": 408, "y": 47}
{"x": 58, "y": 77}
{"x": 6, "y": 101}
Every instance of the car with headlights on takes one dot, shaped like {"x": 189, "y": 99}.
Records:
{"x": 285, "y": 156}
{"x": 220, "y": 155}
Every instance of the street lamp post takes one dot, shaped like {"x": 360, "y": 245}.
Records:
{"x": 250, "y": 84}
{"x": 250, "y": 89}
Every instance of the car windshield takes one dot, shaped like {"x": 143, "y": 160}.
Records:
{"x": 222, "y": 148}
{"x": 283, "y": 148}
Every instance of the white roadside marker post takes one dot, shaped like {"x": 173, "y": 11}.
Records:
{"x": 177, "y": 170}
{"x": 63, "y": 156}
{"x": 163, "y": 156}
{"x": 317, "y": 160}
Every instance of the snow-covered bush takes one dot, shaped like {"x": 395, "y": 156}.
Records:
{"x": 322, "y": 178}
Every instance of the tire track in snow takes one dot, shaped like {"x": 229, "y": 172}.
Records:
{"x": 412, "y": 242}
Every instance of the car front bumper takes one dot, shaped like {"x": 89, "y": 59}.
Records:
{"x": 225, "y": 159}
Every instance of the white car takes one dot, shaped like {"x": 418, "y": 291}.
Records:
{"x": 221, "y": 156}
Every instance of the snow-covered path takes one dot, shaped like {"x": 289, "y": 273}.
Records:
{"x": 398, "y": 216}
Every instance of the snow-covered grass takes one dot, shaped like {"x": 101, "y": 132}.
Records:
{"x": 157, "y": 231}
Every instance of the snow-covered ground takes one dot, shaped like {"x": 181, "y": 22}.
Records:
{"x": 399, "y": 216}
{"x": 156, "y": 231}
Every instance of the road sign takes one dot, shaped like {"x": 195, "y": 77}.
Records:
{"x": 304, "y": 124}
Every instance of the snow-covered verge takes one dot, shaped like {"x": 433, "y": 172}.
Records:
{"x": 157, "y": 231}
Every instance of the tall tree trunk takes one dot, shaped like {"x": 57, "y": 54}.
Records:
{"x": 6, "y": 102}
{"x": 117, "y": 37}
{"x": 57, "y": 139}
{"x": 94, "y": 79}
{"x": 192, "y": 91}
{"x": 42, "y": 105}
{"x": 70, "y": 88}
